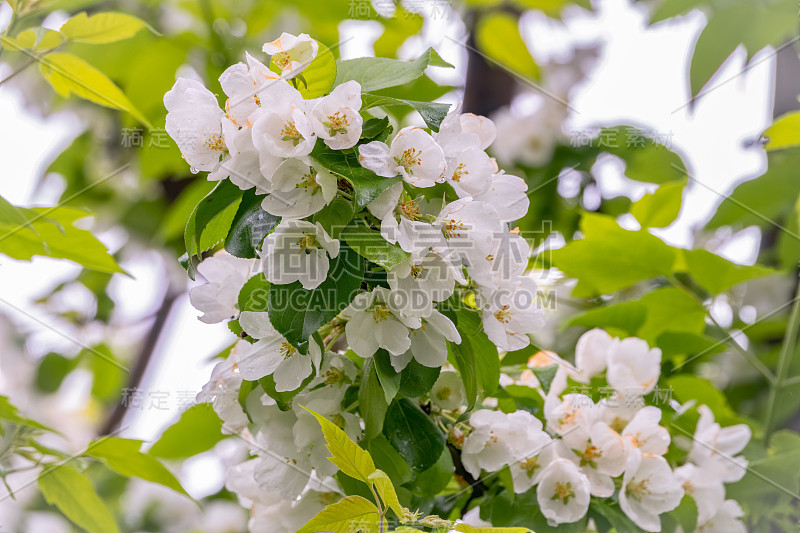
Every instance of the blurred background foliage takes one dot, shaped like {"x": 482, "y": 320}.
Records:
{"x": 727, "y": 330}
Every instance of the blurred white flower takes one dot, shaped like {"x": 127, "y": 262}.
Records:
{"x": 292, "y": 53}
{"x": 448, "y": 392}
{"x": 218, "y": 298}
{"x": 633, "y": 367}
{"x": 644, "y": 433}
{"x": 222, "y": 392}
{"x": 708, "y": 493}
{"x": 591, "y": 352}
{"x": 725, "y": 521}
{"x": 714, "y": 448}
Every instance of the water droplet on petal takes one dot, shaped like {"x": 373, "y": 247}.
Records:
{"x": 193, "y": 170}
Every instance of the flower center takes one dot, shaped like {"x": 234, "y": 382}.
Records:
{"x": 459, "y": 172}
{"x": 502, "y": 315}
{"x": 417, "y": 271}
{"x": 443, "y": 394}
{"x": 590, "y": 455}
{"x": 333, "y": 376}
{"x": 216, "y": 142}
{"x": 409, "y": 210}
{"x": 563, "y": 491}
{"x": 380, "y": 313}
{"x": 618, "y": 424}
{"x": 287, "y": 350}
{"x": 409, "y": 159}
{"x": 530, "y": 465}
{"x": 307, "y": 243}
{"x": 639, "y": 489}
{"x": 453, "y": 228}
{"x": 281, "y": 59}
{"x": 291, "y": 134}
{"x": 336, "y": 123}
{"x": 308, "y": 180}
{"x": 636, "y": 441}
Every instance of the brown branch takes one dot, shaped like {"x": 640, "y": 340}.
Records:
{"x": 142, "y": 359}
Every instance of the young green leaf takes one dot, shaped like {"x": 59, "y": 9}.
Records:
{"x": 319, "y": 75}
{"x": 385, "y": 489}
{"x": 69, "y": 74}
{"x": 74, "y": 495}
{"x": 349, "y": 515}
{"x": 498, "y": 37}
{"x": 101, "y": 28}
{"x": 660, "y": 208}
{"x": 346, "y": 454}
{"x": 431, "y": 112}
{"x": 123, "y": 456}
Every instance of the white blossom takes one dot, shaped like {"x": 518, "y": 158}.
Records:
{"x": 571, "y": 417}
{"x": 225, "y": 276}
{"x": 633, "y": 367}
{"x": 272, "y": 354}
{"x": 601, "y": 457}
{"x": 708, "y": 492}
{"x": 591, "y": 352}
{"x": 423, "y": 281}
{"x": 413, "y": 154}
{"x": 222, "y": 392}
{"x": 241, "y": 83}
{"x": 649, "y": 488}
{"x": 448, "y": 392}
{"x": 375, "y": 322}
{"x": 292, "y": 53}
{"x": 512, "y": 312}
{"x": 644, "y": 433}
{"x": 727, "y": 520}
{"x": 507, "y": 194}
{"x": 400, "y": 218}
{"x": 299, "y": 189}
{"x": 428, "y": 342}
{"x": 563, "y": 493}
{"x": 281, "y": 127}
{"x": 335, "y": 117}
{"x": 714, "y": 448}
{"x": 194, "y": 121}
{"x": 298, "y": 251}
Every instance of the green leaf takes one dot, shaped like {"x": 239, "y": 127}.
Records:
{"x": 101, "y": 28}
{"x": 546, "y": 375}
{"x": 346, "y": 454}
{"x": 434, "y": 480}
{"x": 784, "y": 132}
{"x": 413, "y": 434}
{"x": 716, "y": 274}
{"x": 374, "y": 73}
{"x": 610, "y": 258}
{"x": 417, "y": 379}
{"x": 50, "y": 232}
{"x": 211, "y": 219}
{"x": 685, "y": 515}
{"x": 74, "y": 495}
{"x": 645, "y": 159}
{"x": 464, "y": 360}
{"x": 69, "y": 74}
{"x": 52, "y": 370}
{"x": 431, "y": 112}
{"x": 388, "y": 377}
{"x": 366, "y": 184}
{"x": 372, "y": 403}
{"x": 38, "y": 39}
{"x": 670, "y": 309}
{"x": 375, "y": 127}
{"x": 254, "y": 294}
{"x": 758, "y": 25}
{"x": 198, "y": 430}
{"x": 385, "y": 489}
{"x": 660, "y": 208}
{"x": 625, "y": 317}
{"x": 319, "y": 75}
{"x": 284, "y": 399}
{"x": 484, "y": 351}
{"x": 124, "y": 457}
{"x": 370, "y": 244}
{"x": 387, "y": 459}
{"x": 335, "y": 216}
{"x": 249, "y": 226}
{"x": 498, "y": 37}
{"x": 349, "y": 515}
{"x": 9, "y": 412}
{"x": 686, "y": 388}
{"x": 765, "y": 200}
{"x": 297, "y": 313}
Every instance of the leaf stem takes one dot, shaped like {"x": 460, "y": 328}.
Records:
{"x": 788, "y": 349}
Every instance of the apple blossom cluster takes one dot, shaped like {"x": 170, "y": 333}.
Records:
{"x": 441, "y": 205}
{"x": 613, "y": 447}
